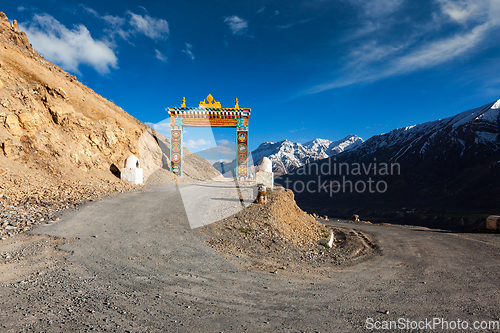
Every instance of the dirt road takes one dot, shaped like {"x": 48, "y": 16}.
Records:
{"x": 137, "y": 266}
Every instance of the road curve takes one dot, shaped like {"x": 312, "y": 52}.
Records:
{"x": 137, "y": 266}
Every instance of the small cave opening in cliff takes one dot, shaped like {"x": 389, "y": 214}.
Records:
{"x": 115, "y": 171}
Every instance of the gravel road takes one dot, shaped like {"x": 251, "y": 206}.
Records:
{"x": 132, "y": 263}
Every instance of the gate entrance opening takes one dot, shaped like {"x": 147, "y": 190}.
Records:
{"x": 209, "y": 113}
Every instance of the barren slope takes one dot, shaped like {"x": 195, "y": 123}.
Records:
{"x": 62, "y": 144}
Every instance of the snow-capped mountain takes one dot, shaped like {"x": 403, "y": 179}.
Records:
{"x": 287, "y": 156}
{"x": 447, "y": 164}
{"x": 329, "y": 148}
{"x": 441, "y": 147}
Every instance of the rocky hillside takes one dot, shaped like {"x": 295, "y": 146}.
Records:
{"x": 50, "y": 117}
{"x": 288, "y": 156}
{"x": 448, "y": 165}
{"x": 60, "y": 143}
{"x": 154, "y": 152}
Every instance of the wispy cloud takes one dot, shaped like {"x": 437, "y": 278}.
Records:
{"x": 90, "y": 10}
{"x": 189, "y": 51}
{"x": 237, "y": 25}
{"x": 152, "y": 27}
{"x": 377, "y": 8}
{"x": 289, "y": 25}
{"x": 377, "y": 50}
{"x": 297, "y": 130}
{"x": 160, "y": 56}
{"x": 132, "y": 24}
{"x": 114, "y": 24}
{"x": 69, "y": 48}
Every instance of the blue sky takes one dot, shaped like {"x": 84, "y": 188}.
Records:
{"x": 308, "y": 69}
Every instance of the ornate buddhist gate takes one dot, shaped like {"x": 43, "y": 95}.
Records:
{"x": 209, "y": 113}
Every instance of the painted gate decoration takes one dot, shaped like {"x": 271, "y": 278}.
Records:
{"x": 209, "y": 113}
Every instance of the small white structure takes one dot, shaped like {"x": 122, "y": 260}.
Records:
{"x": 265, "y": 175}
{"x": 132, "y": 173}
{"x": 266, "y": 165}
{"x": 330, "y": 240}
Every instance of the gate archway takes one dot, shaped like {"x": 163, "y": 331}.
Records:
{"x": 209, "y": 113}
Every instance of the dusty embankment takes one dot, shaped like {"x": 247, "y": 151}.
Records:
{"x": 278, "y": 235}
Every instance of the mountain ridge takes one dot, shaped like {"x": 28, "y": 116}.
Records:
{"x": 288, "y": 156}
{"x": 450, "y": 164}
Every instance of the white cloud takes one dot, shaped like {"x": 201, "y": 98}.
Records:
{"x": 21, "y": 9}
{"x": 379, "y": 55}
{"x": 192, "y": 144}
{"x": 90, "y": 10}
{"x": 189, "y": 51}
{"x": 69, "y": 48}
{"x": 160, "y": 56}
{"x": 162, "y": 127}
{"x": 115, "y": 24}
{"x": 459, "y": 11}
{"x": 467, "y": 11}
{"x": 153, "y": 28}
{"x": 427, "y": 56}
{"x": 261, "y": 10}
{"x": 114, "y": 21}
{"x": 237, "y": 25}
{"x": 442, "y": 50}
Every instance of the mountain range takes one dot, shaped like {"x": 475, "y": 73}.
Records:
{"x": 288, "y": 156}
{"x": 449, "y": 165}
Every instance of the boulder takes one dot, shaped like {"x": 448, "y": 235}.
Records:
{"x": 12, "y": 148}
{"x": 4, "y": 21}
{"x": 28, "y": 122}
{"x": 493, "y": 222}
{"x": 149, "y": 153}
{"x": 12, "y": 124}
{"x": 60, "y": 113}
{"x": 60, "y": 91}
{"x": 15, "y": 26}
